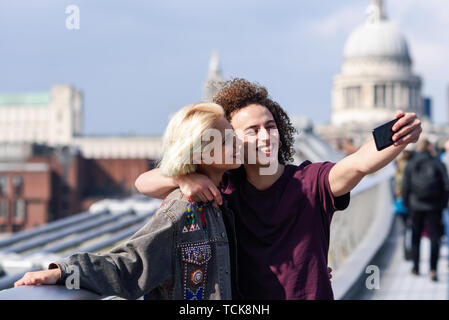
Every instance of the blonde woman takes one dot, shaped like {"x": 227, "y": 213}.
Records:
{"x": 183, "y": 251}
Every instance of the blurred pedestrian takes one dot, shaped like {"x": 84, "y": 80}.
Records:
{"x": 445, "y": 160}
{"x": 425, "y": 190}
{"x": 399, "y": 209}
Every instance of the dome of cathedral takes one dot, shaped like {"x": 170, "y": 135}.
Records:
{"x": 377, "y": 37}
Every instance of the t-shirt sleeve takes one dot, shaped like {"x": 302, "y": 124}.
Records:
{"x": 328, "y": 201}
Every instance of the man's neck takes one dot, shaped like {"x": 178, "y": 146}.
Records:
{"x": 262, "y": 182}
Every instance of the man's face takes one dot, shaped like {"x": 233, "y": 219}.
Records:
{"x": 256, "y": 128}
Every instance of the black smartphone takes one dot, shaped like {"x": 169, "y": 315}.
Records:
{"x": 383, "y": 135}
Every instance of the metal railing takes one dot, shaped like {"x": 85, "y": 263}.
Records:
{"x": 356, "y": 235}
{"x": 48, "y": 292}
{"x": 358, "y": 232}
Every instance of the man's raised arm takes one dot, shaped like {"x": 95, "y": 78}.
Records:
{"x": 349, "y": 171}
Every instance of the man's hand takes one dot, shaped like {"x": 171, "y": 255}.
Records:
{"x": 349, "y": 171}
{"x": 39, "y": 277}
{"x": 407, "y": 129}
{"x": 198, "y": 187}
{"x": 194, "y": 186}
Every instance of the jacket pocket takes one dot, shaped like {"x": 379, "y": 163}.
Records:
{"x": 195, "y": 258}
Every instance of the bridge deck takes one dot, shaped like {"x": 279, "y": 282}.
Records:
{"x": 396, "y": 280}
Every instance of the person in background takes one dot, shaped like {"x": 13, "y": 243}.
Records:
{"x": 425, "y": 189}
{"x": 445, "y": 160}
{"x": 398, "y": 205}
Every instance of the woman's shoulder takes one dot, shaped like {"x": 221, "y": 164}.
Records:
{"x": 174, "y": 205}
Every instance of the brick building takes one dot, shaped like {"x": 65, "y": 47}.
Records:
{"x": 39, "y": 184}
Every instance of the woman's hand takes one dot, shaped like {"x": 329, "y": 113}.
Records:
{"x": 39, "y": 277}
{"x": 198, "y": 187}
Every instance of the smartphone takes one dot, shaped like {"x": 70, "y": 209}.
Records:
{"x": 383, "y": 135}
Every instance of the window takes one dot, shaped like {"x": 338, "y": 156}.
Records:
{"x": 379, "y": 95}
{"x": 17, "y": 183}
{"x": 20, "y": 209}
{"x": 393, "y": 103}
{"x": 4, "y": 209}
{"x": 352, "y": 97}
{"x": 3, "y": 186}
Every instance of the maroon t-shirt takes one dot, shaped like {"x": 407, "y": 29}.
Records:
{"x": 283, "y": 232}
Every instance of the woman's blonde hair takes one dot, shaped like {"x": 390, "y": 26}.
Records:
{"x": 183, "y": 133}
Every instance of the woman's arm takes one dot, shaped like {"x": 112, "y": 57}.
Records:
{"x": 129, "y": 270}
{"x": 194, "y": 186}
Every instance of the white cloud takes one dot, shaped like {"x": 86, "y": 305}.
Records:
{"x": 342, "y": 22}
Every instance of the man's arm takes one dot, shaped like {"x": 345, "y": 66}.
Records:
{"x": 194, "y": 186}
{"x": 349, "y": 171}
{"x": 153, "y": 184}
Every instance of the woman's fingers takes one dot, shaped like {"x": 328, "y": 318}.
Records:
{"x": 39, "y": 278}
{"x": 19, "y": 283}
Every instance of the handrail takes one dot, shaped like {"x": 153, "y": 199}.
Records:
{"x": 359, "y": 232}
{"x": 48, "y": 292}
{"x": 7, "y": 282}
{"x": 62, "y": 293}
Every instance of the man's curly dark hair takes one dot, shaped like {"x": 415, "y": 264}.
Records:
{"x": 238, "y": 93}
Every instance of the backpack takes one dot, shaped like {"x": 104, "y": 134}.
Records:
{"x": 426, "y": 180}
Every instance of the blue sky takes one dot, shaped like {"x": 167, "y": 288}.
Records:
{"x": 139, "y": 61}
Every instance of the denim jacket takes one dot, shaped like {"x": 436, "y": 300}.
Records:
{"x": 181, "y": 253}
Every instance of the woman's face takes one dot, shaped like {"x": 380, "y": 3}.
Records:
{"x": 223, "y": 152}
{"x": 256, "y": 128}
